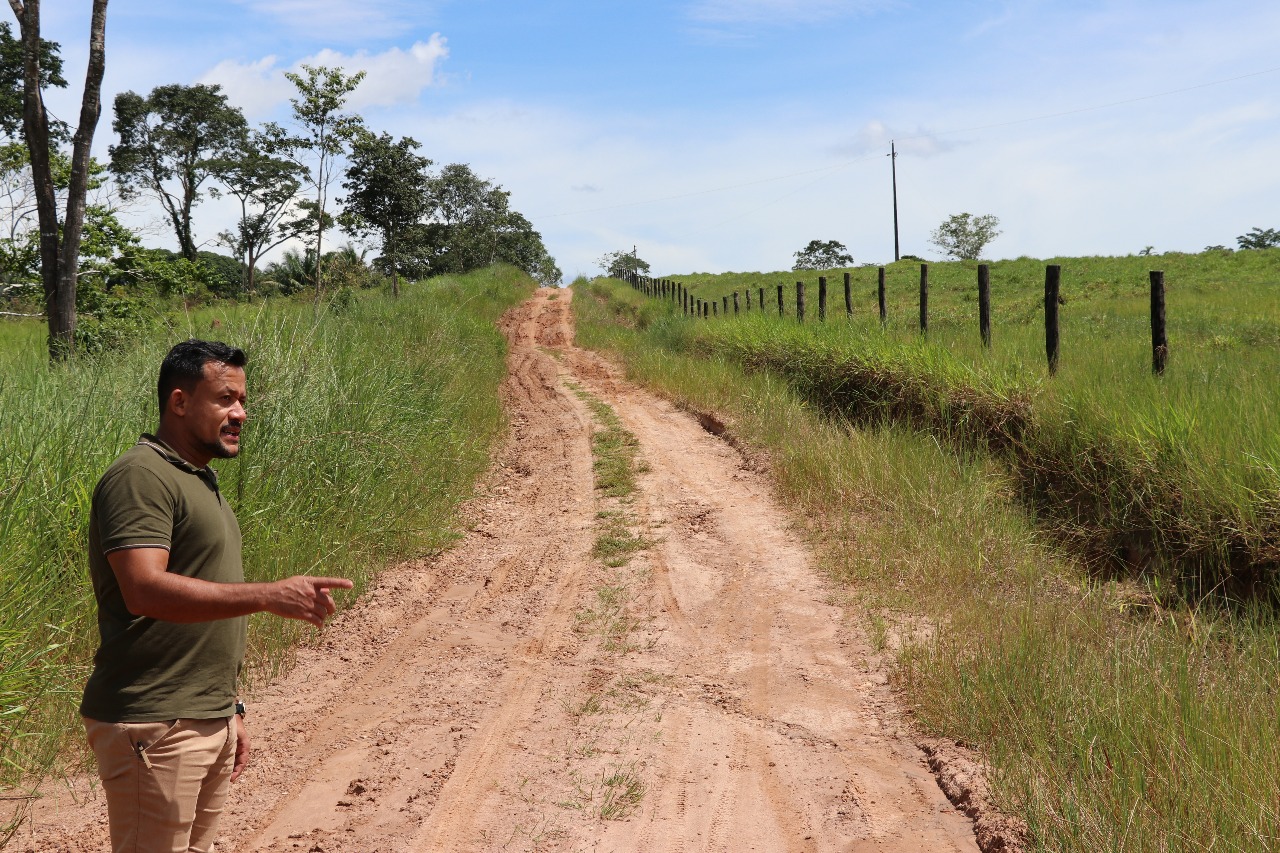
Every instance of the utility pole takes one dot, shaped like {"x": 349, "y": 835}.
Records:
{"x": 893, "y": 159}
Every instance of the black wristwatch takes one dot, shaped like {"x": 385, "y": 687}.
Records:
{"x": 240, "y": 708}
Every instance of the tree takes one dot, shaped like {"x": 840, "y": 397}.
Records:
{"x": 103, "y": 234}
{"x": 11, "y": 76}
{"x": 964, "y": 235}
{"x": 546, "y": 272}
{"x": 174, "y": 135}
{"x": 266, "y": 186}
{"x": 819, "y": 255}
{"x": 471, "y": 225}
{"x": 59, "y": 241}
{"x": 293, "y": 272}
{"x": 622, "y": 264}
{"x": 1260, "y": 238}
{"x": 325, "y": 132}
{"x": 387, "y": 194}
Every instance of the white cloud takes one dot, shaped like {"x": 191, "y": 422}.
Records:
{"x": 257, "y": 88}
{"x": 394, "y": 76}
{"x": 875, "y": 136}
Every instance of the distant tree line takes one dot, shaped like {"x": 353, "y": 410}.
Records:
{"x": 177, "y": 146}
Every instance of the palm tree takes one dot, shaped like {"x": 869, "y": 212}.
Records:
{"x": 294, "y": 271}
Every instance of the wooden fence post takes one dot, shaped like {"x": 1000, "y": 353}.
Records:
{"x": 924, "y": 299}
{"x": 715, "y": 307}
{"x": 747, "y": 291}
{"x": 984, "y": 304}
{"x": 884, "y": 313}
{"x": 1159, "y": 343}
{"x": 735, "y": 303}
{"x": 800, "y": 301}
{"x": 761, "y": 294}
{"x": 724, "y": 302}
{"x": 1052, "y": 284}
{"x": 848, "y": 295}
{"x": 781, "y": 311}
{"x": 822, "y": 299}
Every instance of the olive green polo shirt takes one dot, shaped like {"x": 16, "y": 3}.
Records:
{"x": 147, "y": 669}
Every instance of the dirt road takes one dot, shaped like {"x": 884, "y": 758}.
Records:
{"x": 516, "y": 693}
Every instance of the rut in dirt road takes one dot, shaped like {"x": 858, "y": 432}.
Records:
{"x": 517, "y": 693}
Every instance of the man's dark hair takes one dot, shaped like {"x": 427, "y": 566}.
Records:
{"x": 183, "y": 367}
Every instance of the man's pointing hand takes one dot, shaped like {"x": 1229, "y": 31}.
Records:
{"x": 306, "y": 598}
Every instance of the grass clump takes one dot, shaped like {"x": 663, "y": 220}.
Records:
{"x": 615, "y": 542}
{"x": 613, "y": 449}
{"x": 615, "y": 455}
{"x": 366, "y": 431}
{"x": 1113, "y": 716}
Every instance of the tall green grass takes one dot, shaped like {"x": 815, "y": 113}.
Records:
{"x": 1176, "y": 476}
{"x": 369, "y": 421}
{"x": 1111, "y": 721}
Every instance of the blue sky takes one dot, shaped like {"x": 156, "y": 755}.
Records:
{"x": 725, "y": 134}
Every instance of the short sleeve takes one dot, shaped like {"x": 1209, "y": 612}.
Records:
{"x": 134, "y": 509}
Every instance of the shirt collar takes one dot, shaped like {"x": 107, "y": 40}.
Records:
{"x": 170, "y": 455}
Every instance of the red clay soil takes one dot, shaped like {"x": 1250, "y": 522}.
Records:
{"x": 515, "y": 693}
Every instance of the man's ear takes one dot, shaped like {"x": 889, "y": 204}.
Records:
{"x": 178, "y": 400}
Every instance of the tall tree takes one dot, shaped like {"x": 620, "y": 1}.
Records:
{"x": 170, "y": 142}
{"x": 267, "y": 187}
{"x": 59, "y": 246}
{"x": 386, "y": 194}
{"x": 325, "y": 132}
{"x": 472, "y": 226}
{"x": 11, "y": 74}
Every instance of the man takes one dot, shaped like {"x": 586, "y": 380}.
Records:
{"x": 161, "y": 707}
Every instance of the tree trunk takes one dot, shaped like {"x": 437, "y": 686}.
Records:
{"x": 60, "y": 259}
{"x": 395, "y": 268}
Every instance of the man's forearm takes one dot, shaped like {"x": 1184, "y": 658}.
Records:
{"x": 149, "y": 589}
{"x": 176, "y": 598}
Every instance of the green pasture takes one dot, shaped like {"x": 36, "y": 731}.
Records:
{"x": 1176, "y": 477}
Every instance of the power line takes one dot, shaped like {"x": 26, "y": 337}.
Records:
{"x": 844, "y": 163}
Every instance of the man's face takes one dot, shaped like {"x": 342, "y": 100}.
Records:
{"x": 215, "y": 410}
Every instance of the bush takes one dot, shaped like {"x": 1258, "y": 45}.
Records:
{"x": 223, "y": 275}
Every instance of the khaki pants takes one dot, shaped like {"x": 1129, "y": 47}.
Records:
{"x": 165, "y": 782}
